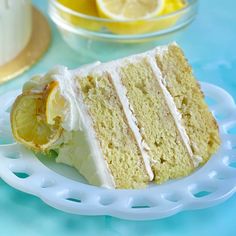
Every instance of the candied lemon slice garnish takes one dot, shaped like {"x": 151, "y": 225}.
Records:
{"x": 29, "y": 125}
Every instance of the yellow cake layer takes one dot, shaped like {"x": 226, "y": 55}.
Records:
{"x": 116, "y": 139}
{"x": 198, "y": 121}
{"x": 168, "y": 153}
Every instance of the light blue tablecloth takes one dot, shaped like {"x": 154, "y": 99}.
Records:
{"x": 210, "y": 45}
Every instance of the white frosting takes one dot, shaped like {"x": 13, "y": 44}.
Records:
{"x": 76, "y": 152}
{"x": 72, "y": 119}
{"x": 15, "y": 28}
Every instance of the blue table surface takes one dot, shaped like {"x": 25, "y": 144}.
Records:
{"x": 209, "y": 44}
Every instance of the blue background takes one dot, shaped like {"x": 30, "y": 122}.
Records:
{"x": 210, "y": 45}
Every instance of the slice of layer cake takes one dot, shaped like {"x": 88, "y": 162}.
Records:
{"x": 123, "y": 123}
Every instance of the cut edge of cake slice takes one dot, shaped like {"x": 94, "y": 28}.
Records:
{"x": 181, "y": 158}
{"x": 114, "y": 129}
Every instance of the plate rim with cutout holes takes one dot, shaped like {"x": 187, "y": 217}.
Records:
{"x": 209, "y": 185}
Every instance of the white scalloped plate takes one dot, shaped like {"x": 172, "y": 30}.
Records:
{"x": 63, "y": 188}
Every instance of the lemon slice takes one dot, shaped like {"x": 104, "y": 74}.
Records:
{"x": 130, "y": 9}
{"x": 28, "y": 123}
{"x": 55, "y": 103}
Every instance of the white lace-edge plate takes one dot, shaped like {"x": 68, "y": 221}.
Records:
{"x": 57, "y": 186}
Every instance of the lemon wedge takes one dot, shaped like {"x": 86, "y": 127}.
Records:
{"x": 28, "y": 123}
{"x": 55, "y": 103}
{"x": 129, "y": 9}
